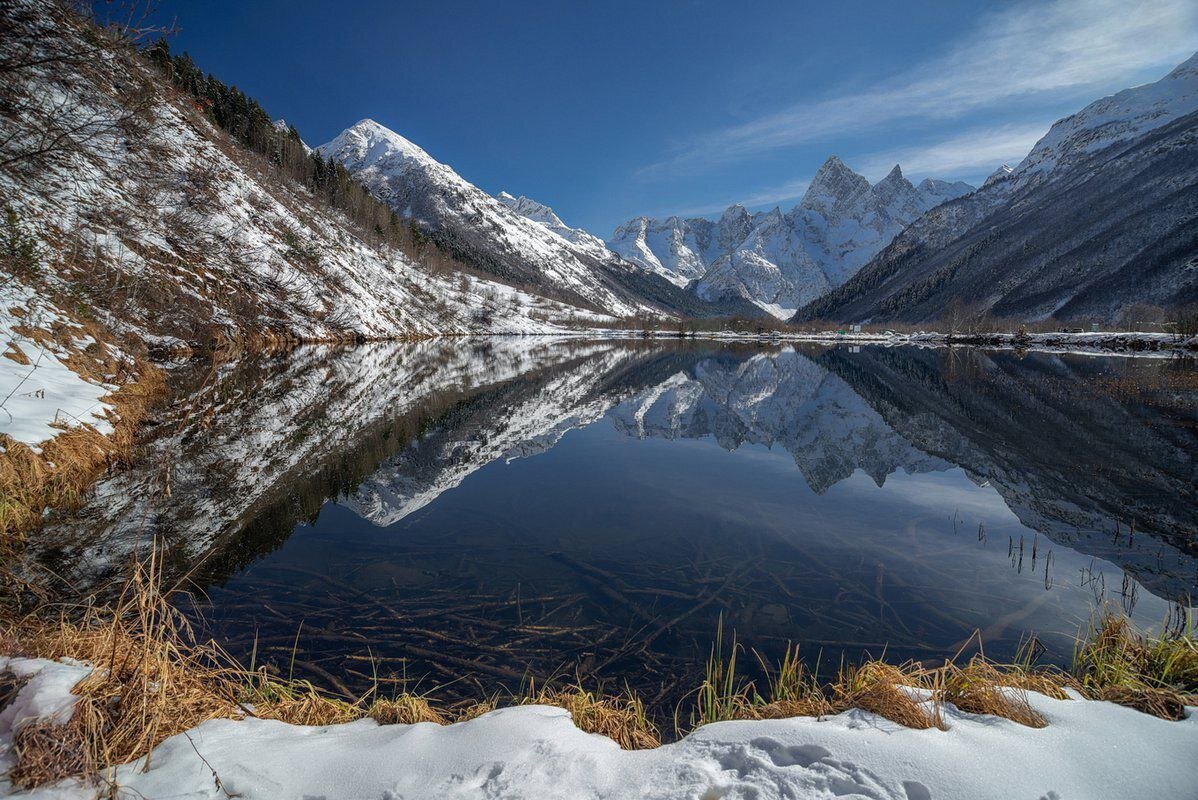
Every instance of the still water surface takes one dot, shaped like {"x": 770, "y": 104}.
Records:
{"x": 464, "y": 516}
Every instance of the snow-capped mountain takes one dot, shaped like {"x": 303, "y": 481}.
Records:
{"x": 542, "y": 254}
{"x": 781, "y": 260}
{"x": 489, "y": 233}
{"x": 1099, "y": 215}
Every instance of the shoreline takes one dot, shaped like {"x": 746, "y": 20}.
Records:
{"x": 142, "y": 705}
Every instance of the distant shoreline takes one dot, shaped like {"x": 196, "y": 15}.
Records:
{"x": 1098, "y": 342}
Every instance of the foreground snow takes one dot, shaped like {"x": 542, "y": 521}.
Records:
{"x": 1089, "y": 750}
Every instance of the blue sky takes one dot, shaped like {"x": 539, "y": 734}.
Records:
{"x": 611, "y": 110}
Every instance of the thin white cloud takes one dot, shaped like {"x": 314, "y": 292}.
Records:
{"x": 972, "y": 152}
{"x": 773, "y": 195}
{"x": 1019, "y": 52}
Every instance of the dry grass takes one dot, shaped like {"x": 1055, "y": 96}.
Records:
{"x": 1157, "y": 675}
{"x": 153, "y": 681}
{"x": 68, "y": 464}
{"x": 407, "y": 709}
{"x": 886, "y": 690}
{"x": 982, "y": 688}
{"x": 47, "y": 752}
{"x": 621, "y": 717}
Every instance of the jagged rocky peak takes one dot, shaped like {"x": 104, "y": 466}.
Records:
{"x": 782, "y": 260}
{"x": 834, "y": 187}
{"x": 734, "y": 225}
{"x": 894, "y": 186}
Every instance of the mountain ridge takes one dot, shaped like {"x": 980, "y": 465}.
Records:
{"x": 1100, "y": 215}
{"x": 780, "y": 260}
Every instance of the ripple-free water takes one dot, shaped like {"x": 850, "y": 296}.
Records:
{"x": 456, "y": 518}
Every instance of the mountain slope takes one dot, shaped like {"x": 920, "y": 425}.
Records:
{"x": 543, "y": 215}
{"x": 1102, "y": 213}
{"x": 491, "y": 236}
{"x": 782, "y": 260}
{"x": 166, "y": 230}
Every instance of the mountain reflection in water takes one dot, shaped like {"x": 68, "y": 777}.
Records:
{"x": 467, "y": 514}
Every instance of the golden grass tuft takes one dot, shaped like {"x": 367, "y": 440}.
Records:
{"x": 469, "y": 711}
{"x": 296, "y": 703}
{"x": 981, "y": 688}
{"x": 879, "y": 688}
{"x": 406, "y": 709}
{"x": 1157, "y": 675}
{"x": 68, "y": 464}
{"x": 621, "y": 718}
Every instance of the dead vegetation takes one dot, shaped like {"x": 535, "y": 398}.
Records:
{"x": 153, "y": 680}
{"x": 1157, "y": 675}
{"x": 58, "y": 476}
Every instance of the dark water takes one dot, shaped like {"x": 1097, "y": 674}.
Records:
{"x": 467, "y": 516}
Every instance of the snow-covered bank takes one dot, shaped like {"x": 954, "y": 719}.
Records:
{"x": 1089, "y": 749}
{"x": 39, "y": 392}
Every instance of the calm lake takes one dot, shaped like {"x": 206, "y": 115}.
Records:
{"x": 458, "y": 516}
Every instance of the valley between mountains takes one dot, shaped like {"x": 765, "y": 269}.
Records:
{"x": 326, "y": 472}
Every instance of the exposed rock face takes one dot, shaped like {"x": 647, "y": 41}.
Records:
{"x": 781, "y": 260}
{"x": 1102, "y": 214}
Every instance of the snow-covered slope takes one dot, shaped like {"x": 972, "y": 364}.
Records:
{"x": 543, "y": 215}
{"x": 1119, "y": 118}
{"x": 1099, "y": 216}
{"x": 542, "y": 254}
{"x": 781, "y": 260}
{"x": 170, "y": 231}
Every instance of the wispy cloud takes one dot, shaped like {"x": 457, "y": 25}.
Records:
{"x": 772, "y": 195}
{"x": 1020, "y": 52}
{"x": 971, "y": 152}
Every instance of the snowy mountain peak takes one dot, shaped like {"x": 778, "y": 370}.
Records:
{"x": 1000, "y": 174}
{"x": 894, "y": 188}
{"x": 366, "y": 144}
